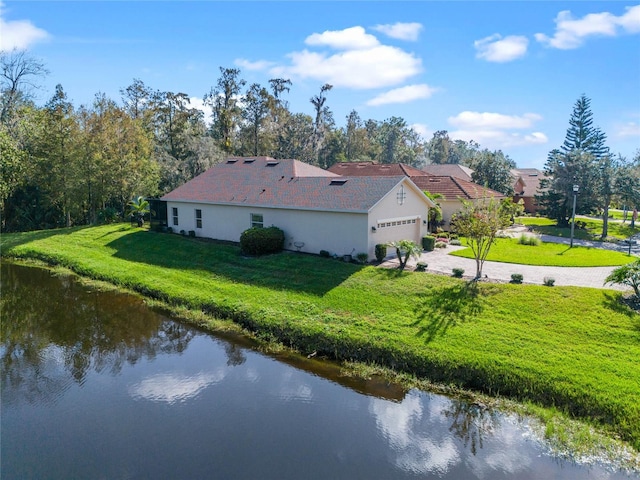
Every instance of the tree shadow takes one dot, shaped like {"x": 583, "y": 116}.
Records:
{"x": 446, "y": 307}
{"x": 9, "y": 240}
{"x": 617, "y": 303}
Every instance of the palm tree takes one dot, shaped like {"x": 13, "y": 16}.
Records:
{"x": 405, "y": 249}
{"x": 138, "y": 208}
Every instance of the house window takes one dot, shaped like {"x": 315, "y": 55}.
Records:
{"x": 174, "y": 211}
{"x": 257, "y": 220}
{"x": 198, "y": 218}
{"x": 401, "y": 195}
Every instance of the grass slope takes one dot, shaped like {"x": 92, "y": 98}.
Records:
{"x": 508, "y": 250}
{"x": 573, "y": 348}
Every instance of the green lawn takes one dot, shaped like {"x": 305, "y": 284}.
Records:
{"x": 508, "y": 250}
{"x": 576, "y": 349}
{"x": 592, "y": 230}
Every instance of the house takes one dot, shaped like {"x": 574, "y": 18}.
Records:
{"x": 450, "y": 170}
{"x": 451, "y": 189}
{"x": 526, "y": 186}
{"x": 316, "y": 209}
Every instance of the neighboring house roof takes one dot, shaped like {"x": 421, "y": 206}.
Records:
{"x": 266, "y": 182}
{"x": 371, "y": 169}
{"x": 449, "y": 170}
{"x": 530, "y": 178}
{"x": 452, "y": 188}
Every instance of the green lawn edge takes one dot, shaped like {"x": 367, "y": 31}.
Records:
{"x": 574, "y": 349}
{"x": 508, "y": 250}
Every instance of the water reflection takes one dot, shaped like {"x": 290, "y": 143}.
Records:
{"x": 95, "y": 382}
{"x": 54, "y": 331}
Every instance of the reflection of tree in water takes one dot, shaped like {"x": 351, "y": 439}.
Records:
{"x": 48, "y": 322}
{"x": 472, "y": 422}
{"x": 235, "y": 355}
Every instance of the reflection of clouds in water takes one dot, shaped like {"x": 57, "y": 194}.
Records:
{"x": 293, "y": 388}
{"x": 172, "y": 388}
{"x": 508, "y": 458}
{"x": 418, "y": 448}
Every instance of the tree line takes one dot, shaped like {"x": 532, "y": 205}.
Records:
{"x": 68, "y": 165}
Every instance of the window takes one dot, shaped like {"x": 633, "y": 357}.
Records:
{"x": 257, "y": 220}
{"x": 198, "y": 218}
{"x": 174, "y": 212}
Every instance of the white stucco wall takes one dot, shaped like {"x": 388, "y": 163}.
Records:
{"x": 312, "y": 231}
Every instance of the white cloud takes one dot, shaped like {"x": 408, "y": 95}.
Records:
{"x": 19, "y": 34}
{"x": 401, "y": 31}
{"x": 198, "y": 103}
{"x": 248, "y": 65}
{"x": 480, "y": 120}
{"x": 352, "y": 38}
{"x": 495, "y": 130}
{"x": 498, "y": 139}
{"x": 376, "y": 67}
{"x": 497, "y": 49}
{"x": 571, "y": 33}
{"x": 629, "y": 129}
{"x": 423, "y": 130}
{"x": 403, "y": 95}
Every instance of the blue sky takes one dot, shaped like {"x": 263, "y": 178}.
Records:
{"x": 505, "y": 74}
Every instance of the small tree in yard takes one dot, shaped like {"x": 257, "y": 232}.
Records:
{"x": 406, "y": 249}
{"x": 479, "y": 223}
{"x": 138, "y": 208}
{"x": 626, "y": 275}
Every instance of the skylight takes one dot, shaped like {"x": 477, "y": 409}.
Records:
{"x": 340, "y": 181}
{"x": 249, "y": 160}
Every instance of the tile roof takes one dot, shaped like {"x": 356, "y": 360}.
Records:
{"x": 449, "y": 170}
{"x": 452, "y": 188}
{"x": 371, "y": 169}
{"x": 530, "y": 179}
{"x": 268, "y": 182}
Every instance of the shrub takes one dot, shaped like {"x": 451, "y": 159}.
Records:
{"x": 626, "y": 275}
{"x": 443, "y": 235}
{"x": 260, "y": 241}
{"x": 457, "y": 272}
{"x": 455, "y": 242}
{"x": 381, "y": 251}
{"x": 453, "y": 236}
{"x": 362, "y": 257}
{"x": 324, "y": 254}
{"x": 440, "y": 245}
{"x": 516, "y": 278}
{"x": 192, "y": 233}
{"x": 169, "y": 229}
{"x": 442, "y": 239}
{"x": 528, "y": 240}
{"x": 428, "y": 243}
{"x": 421, "y": 267}
{"x": 182, "y": 232}
{"x": 549, "y": 281}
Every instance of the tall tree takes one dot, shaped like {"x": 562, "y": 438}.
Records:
{"x": 581, "y": 134}
{"x": 19, "y": 75}
{"x": 493, "y": 170}
{"x": 257, "y": 105}
{"x": 323, "y": 119}
{"x": 442, "y": 149}
{"x": 224, "y": 99}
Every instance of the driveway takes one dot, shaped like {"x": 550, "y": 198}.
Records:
{"x": 439, "y": 261}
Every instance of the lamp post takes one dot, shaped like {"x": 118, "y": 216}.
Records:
{"x": 573, "y": 217}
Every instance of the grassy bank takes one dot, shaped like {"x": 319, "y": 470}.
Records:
{"x": 592, "y": 228}
{"x": 508, "y": 250}
{"x": 573, "y": 348}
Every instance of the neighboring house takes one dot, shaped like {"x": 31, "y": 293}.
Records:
{"x": 526, "y": 186}
{"x": 452, "y": 189}
{"x": 316, "y": 209}
{"x": 449, "y": 170}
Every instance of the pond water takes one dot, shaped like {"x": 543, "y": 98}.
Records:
{"x": 96, "y": 385}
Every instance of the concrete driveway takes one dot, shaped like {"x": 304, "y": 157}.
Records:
{"x": 439, "y": 261}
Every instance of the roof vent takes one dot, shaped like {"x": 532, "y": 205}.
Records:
{"x": 249, "y": 160}
{"x": 339, "y": 181}
{"x": 272, "y": 163}
{"x": 232, "y": 160}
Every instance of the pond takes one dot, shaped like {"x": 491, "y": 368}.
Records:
{"x": 97, "y": 385}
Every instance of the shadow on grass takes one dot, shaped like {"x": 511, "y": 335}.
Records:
{"x": 628, "y": 306}
{"x": 15, "y": 239}
{"x": 446, "y": 307}
{"x": 289, "y": 271}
